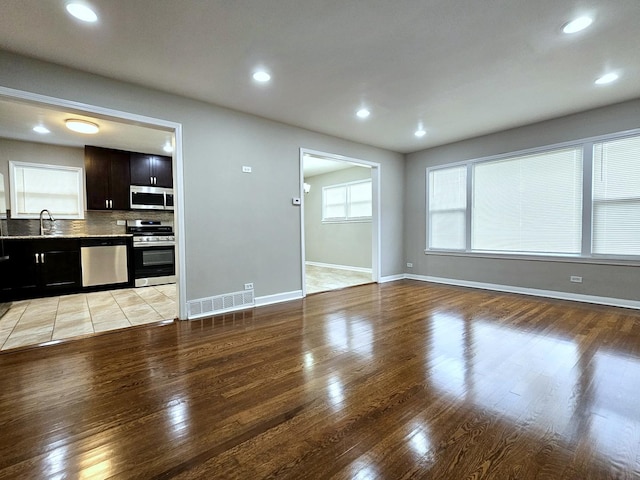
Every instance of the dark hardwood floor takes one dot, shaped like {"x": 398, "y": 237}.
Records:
{"x": 393, "y": 381}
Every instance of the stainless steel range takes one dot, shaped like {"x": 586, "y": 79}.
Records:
{"x": 153, "y": 251}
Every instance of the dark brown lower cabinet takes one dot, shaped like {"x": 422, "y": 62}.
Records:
{"x": 40, "y": 267}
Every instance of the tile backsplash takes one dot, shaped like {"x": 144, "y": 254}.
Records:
{"x": 95, "y": 223}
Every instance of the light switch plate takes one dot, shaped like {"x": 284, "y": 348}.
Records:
{"x": 121, "y": 222}
{"x": 296, "y": 201}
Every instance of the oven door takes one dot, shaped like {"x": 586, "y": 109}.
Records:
{"x": 154, "y": 261}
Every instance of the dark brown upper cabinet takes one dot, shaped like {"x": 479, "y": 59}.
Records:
{"x": 108, "y": 178}
{"x": 151, "y": 170}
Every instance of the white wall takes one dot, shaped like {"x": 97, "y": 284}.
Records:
{"x": 239, "y": 227}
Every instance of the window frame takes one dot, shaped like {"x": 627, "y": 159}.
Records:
{"x": 13, "y": 191}
{"x": 586, "y": 255}
{"x": 347, "y": 204}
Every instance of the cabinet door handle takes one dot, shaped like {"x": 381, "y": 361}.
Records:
{"x": 37, "y": 261}
{"x": 42, "y": 258}
{"x": 106, "y": 204}
{"x": 110, "y": 203}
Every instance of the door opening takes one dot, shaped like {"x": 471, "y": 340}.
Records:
{"x": 339, "y": 221}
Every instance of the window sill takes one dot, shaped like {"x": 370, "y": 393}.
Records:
{"x": 626, "y": 262}
{"x": 357, "y": 220}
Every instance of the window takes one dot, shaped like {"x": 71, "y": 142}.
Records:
{"x": 34, "y": 187}
{"x": 532, "y": 203}
{"x": 347, "y": 202}
{"x": 447, "y": 208}
{"x": 616, "y": 197}
{"x": 528, "y": 204}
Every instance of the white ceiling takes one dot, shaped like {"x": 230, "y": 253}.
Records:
{"x": 459, "y": 67}
{"x": 17, "y": 120}
{"x": 313, "y": 165}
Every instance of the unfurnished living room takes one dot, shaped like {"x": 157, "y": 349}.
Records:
{"x": 313, "y": 240}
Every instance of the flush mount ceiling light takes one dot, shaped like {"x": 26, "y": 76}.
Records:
{"x": 261, "y": 76}
{"x": 363, "y": 113}
{"x": 608, "y": 78}
{"x": 82, "y": 126}
{"x": 577, "y": 25}
{"x": 82, "y": 12}
{"x": 167, "y": 147}
{"x": 41, "y": 129}
{"x": 421, "y": 132}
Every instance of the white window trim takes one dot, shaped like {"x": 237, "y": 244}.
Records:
{"x": 346, "y": 219}
{"x": 587, "y": 207}
{"x": 79, "y": 171}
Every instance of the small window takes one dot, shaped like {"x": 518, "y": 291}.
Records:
{"x": 616, "y": 197}
{"x": 347, "y": 202}
{"x": 34, "y": 187}
{"x": 448, "y": 208}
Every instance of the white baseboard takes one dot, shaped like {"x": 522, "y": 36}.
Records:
{"x": 576, "y": 297}
{"x": 392, "y": 278}
{"x": 339, "y": 267}
{"x": 278, "y": 298}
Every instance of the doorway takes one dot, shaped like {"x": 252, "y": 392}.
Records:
{"x": 339, "y": 221}
{"x": 131, "y": 126}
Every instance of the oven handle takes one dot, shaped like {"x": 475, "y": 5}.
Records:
{"x": 153, "y": 244}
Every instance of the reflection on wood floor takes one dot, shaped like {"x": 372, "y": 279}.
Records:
{"x": 399, "y": 380}
{"x": 323, "y": 279}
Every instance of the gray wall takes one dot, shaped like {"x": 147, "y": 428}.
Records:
{"x": 600, "y": 280}
{"x": 335, "y": 243}
{"x": 239, "y": 227}
{"x": 19, "y": 151}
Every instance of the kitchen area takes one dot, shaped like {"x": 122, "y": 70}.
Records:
{"x": 86, "y": 226}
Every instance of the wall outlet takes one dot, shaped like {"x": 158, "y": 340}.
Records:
{"x": 575, "y": 279}
{"x": 121, "y": 222}
{"x": 409, "y": 265}
{"x": 248, "y": 286}
{"x": 246, "y": 169}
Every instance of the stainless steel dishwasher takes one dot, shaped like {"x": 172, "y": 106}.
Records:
{"x": 104, "y": 261}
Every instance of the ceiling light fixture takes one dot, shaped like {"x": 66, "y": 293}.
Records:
{"x": 41, "y": 129}
{"x": 608, "y": 78}
{"x": 167, "y": 147}
{"x": 363, "y": 113}
{"x": 82, "y": 12}
{"x": 577, "y": 25}
{"x": 261, "y": 76}
{"x": 82, "y": 126}
{"x": 421, "y": 132}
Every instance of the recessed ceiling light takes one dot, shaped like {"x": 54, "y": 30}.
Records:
{"x": 608, "y": 78}
{"x": 41, "y": 129}
{"x": 82, "y": 12}
{"x": 261, "y": 76}
{"x": 167, "y": 147}
{"x": 420, "y": 133}
{"x": 577, "y": 25}
{"x": 82, "y": 126}
{"x": 363, "y": 113}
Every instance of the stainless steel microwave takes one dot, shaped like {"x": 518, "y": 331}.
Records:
{"x": 151, "y": 198}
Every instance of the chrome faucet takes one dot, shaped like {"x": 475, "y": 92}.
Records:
{"x": 42, "y": 219}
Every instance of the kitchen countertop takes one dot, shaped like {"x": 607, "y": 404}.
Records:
{"x": 35, "y": 237}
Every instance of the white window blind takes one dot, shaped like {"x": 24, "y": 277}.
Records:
{"x": 35, "y": 187}
{"x": 347, "y": 202}
{"x": 528, "y": 204}
{"x": 447, "y": 208}
{"x": 616, "y": 197}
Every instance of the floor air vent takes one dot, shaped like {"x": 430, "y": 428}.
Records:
{"x": 220, "y": 304}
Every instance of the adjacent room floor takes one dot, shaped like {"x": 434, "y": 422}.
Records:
{"x": 41, "y": 320}
{"x": 322, "y": 279}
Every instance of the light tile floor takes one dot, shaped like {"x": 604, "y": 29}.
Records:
{"x": 322, "y": 279}
{"x": 30, "y": 322}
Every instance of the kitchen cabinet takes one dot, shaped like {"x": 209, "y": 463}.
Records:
{"x": 151, "y": 170}
{"x": 41, "y": 267}
{"x": 107, "y": 178}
